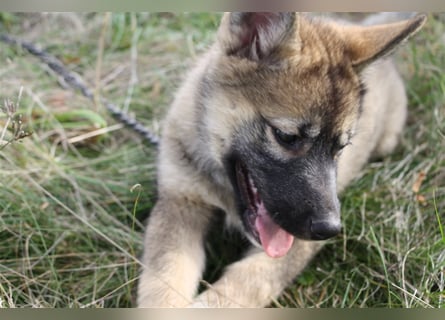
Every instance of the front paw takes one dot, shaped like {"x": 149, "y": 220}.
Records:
{"x": 212, "y": 299}
{"x": 199, "y": 304}
{"x": 203, "y": 300}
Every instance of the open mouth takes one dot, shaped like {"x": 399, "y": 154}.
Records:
{"x": 275, "y": 241}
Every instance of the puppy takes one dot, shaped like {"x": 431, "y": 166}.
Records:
{"x": 274, "y": 120}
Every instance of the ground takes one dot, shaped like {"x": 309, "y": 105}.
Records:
{"x": 72, "y": 209}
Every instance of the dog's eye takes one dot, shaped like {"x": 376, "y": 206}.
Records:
{"x": 284, "y": 138}
{"x": 338, "y": 148}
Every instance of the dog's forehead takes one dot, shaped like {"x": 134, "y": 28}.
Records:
{"x": 317, "y": 94}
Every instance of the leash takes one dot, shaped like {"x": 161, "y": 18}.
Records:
{"x": 78, "y": 84}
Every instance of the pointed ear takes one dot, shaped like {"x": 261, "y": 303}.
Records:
{"x": 366, "y": 44}
{"x": 255, "y": 35}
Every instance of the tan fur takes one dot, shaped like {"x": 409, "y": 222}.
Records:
{"x": 294, "y": 85}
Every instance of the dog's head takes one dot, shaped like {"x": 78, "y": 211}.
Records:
{"x": 284, "y": 95}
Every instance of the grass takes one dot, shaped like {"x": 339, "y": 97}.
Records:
{"x": 71, "y": 214}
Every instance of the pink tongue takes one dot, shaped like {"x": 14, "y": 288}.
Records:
{"x": 275, "y": 241}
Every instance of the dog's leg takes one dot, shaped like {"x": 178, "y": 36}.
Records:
{"x": 174, "y": 256}
{"x": 256, "y": 279}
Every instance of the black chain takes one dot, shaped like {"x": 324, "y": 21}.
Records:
{"x": 77, "y": 83}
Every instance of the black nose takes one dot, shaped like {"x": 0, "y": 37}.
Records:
{"x": 325, "y": 229}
